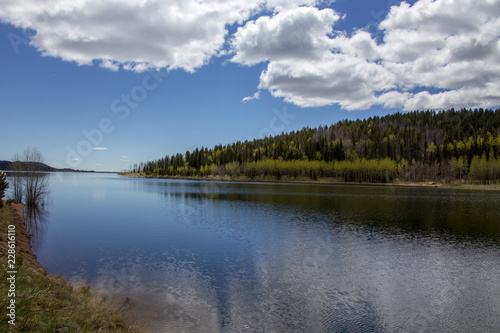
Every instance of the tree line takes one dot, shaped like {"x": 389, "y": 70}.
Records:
{"x": 415, "y": 146}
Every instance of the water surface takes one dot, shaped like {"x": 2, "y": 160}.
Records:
{"x": 197, "y": 256}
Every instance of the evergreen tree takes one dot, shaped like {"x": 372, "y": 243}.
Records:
{"x": 424, "y": 145}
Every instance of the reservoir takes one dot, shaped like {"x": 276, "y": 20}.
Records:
{"x": 201, "y": 256}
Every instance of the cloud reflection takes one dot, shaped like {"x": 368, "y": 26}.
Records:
{"x": 286, "y": 267}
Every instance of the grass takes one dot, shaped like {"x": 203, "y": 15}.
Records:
{"x": 46, "y": 303}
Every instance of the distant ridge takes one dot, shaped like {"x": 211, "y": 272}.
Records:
{"x": 8, "y": 165}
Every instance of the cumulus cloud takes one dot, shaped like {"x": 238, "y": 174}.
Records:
{"x": 336, "y": 78}
{"x": 448, "y": 51}
{"x": 124, "y": 158}
{"x": 282, "y": 5}
{"x": 134, "y": 33}
{"x": 249, "y": 98}
{"x": 303, "y": 69}
{"x": 294, "y": 34}
{"x": 100, "y": 148}
{"x": 431, "y": 45}
{"x": 432, "y": 54}
{"x": 111, "y": 65}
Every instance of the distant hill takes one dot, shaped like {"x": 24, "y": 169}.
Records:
{"x": 8, "y": 165}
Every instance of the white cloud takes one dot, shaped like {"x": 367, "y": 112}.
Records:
{"x": 431, "y": 45}
{"x": 249, "y": 98}
{"x": 282, "y": 5}
{"x": 293, "y": 34}
{"x": 111, "y": 65}
{"x": 336, "y": 78}
{"x": 75, "y": 159}
{"x": 136, "y": 34}
{"x": 124, "y": 158}
{"x": 100, "y": 148}
{"x": 451, "y": 47}
{"x": 448, "y": 50}
{"x": 302, "y": 68}
{"x": 359, "y": 45}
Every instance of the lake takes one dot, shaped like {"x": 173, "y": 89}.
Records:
{"x": 199, "y": 256}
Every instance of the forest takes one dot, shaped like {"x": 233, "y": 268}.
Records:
{"x": 420, "y": 146}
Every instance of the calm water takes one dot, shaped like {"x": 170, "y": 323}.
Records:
{"x": 200, "y": 256}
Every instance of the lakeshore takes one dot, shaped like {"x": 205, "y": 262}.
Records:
{"x": 41, "y": 302}
{"x": 329, "y": 181}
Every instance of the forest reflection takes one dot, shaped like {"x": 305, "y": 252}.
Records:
{"x": 387, "y": 209}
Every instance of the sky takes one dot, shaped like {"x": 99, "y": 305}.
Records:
{"x": 102, "y": 85}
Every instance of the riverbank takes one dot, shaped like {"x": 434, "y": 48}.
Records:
{"x": 286, "y": 180}
{"x": 40, "y": 302}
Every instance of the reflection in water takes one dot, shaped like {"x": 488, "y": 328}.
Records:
{"x": 208, "y": 257}
{"x": 36, "y": 193}
{"x": 36, "y": 219}
{"x": 168, "y": 295}
{"x": 390, "y": 210}
{"x": 32, "y": 187}
{"x": 326, "y": 285}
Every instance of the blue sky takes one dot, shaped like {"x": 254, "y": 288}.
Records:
{"x": 104, "y": 86}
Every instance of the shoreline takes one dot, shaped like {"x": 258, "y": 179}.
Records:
{"x": 322, "y": 181}
{"x": 43, "y": 302}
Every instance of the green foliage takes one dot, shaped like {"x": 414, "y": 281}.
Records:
{"x": 413, "y": 146}
{"x": 485, "y": 170}
{"x": 3, "y": 186}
